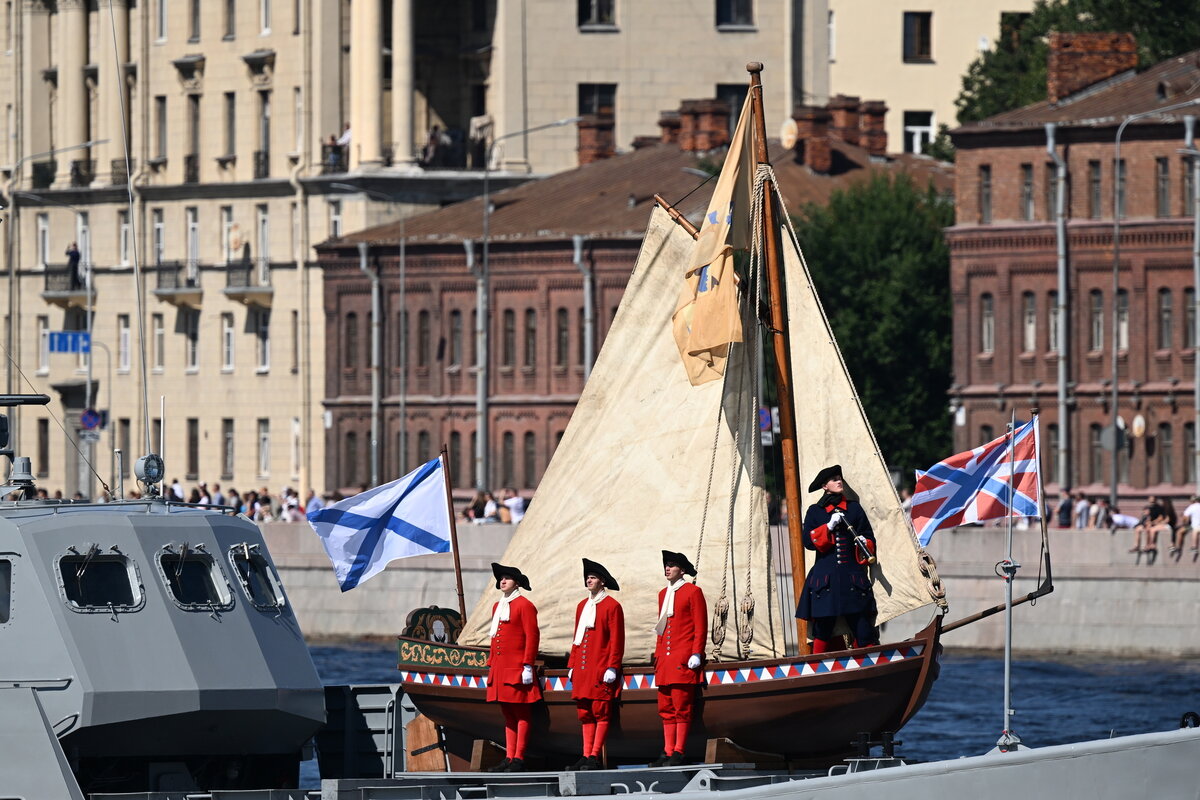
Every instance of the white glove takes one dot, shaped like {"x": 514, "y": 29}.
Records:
{"x": 526, "y": 674}
{"x": 610, "y": 675}
{"x": 694, "y": 661}
{"x": 836, "y": 520}
{"x": 571, "y": 674}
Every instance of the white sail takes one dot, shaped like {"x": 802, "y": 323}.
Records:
{"x": 831, "y": 428}
{"x": 631, "y": 475}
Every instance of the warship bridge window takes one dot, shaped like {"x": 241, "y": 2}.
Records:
{"x": 93, "y": 580}
{"x": 257, "y": 577}
{"x": 194, "y": 579}
{"x": 6, "y": 571}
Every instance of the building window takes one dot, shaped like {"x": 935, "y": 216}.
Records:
{"x": 529, "y": 451}
{"x": 562, "y": 337}
{"x": 43, "y": 328}
{"x": 985, "y": 194}
{"x": 1052, "y": 329}
{"x": 596, "y": 12}
{"x": 508, "y": 345}
{"x": 1189, "y": 452}
{"x": 264, "y": 447}
{"x": 295, "y": 341}
{"x": 193, "y": 448}
{"x": 1096, "y": 451}
{"x": 733, "y": 95}
{"x": 227, "y": 234}
{"x": 423, "y": 339}
{"x": 350, "y": 467}
{"x": 1052, "y": 454}
{"x": 159, "y": 341}
{"x": 456, "y": 338}
{"x": 335, "y": 219}
{"x": 1049, "y": 199}
{"x": 507, "y": 458}
{"x": 192, "y": 234}
{"x": 1166, "y": 453}
{"x": 1028, "y": 322}
{"x": 579, "y": 337}
{"x": 918, "y": 36}
{"x": 83, "y": 236}
{"x": 1122, "y": 319}
{"x": 230, "y": 123}
{"x": 262, "y": 339}
{"x": 1162, "y": 175}
{"x": 191, "y": 340}
{"x": 1096, "y": 320}
{"x": 194, "y": 21}
{"x": 1121, "y": 189}
{"x": 264, "y": 16}
{"x": 987, "y": 324}
{"x": 735, "y": 12}
{"x": 263, "y": 224}
{"x": 298, "y": 117}
{"x": 831, "y": 36}
{"x": 1189, "y": 317}
{"x": 159, "y": 235}
{"x": 1027, "y": 191}
{"x": 350, "y": 351}
{"x": 1189, "y": 198}
{"x": 227, "y": 334}
{"x": 227, "y": 444}
{"x": 986, "y": 434}
{"x": 918, "y": 131}
{"x": 471, "y": 459}
{"x": 43, "y": 448}
{"x": 598, "y": 98}
{"x": 424, "y": 451}
{"x": 454, "y": 456}
{"x": 43, "y": 238}
{"x": 124, "y": 238}
{"x": 156, "y": 434}
{"x": 125, "y": 442}
{"x": 160, "y": 20}
{"x": 160, "y": 125}
{"x": 124, "y": 343}
{"x": 530, "y": 337}
{"x": 1164, "y": 319}
{"x": 230, "y": 18}
{"x": 1095, "y": 198}
{"x": 296, "y": 15}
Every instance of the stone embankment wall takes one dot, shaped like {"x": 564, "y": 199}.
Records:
{"x": 1103, "y": 602}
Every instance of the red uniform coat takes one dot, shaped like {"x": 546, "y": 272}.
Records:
{"x": 602, "y": 648}
{"x": 514, "y": 645}
{"x": 685, "y": 635}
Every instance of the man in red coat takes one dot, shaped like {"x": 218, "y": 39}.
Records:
{"x": 678, "y": 658}
{"x": 595, "y": 663}
{"x": 514, "y": 647}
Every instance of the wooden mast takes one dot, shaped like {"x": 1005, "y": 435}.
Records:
{"x": 458, "y": 584}
{"x": 781, "y": 345}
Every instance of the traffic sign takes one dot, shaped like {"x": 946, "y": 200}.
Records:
{"x": 89, "y": 419}
{"x": 1112, "y": 438}
{"x": 89, "y": 436}
{"x": 70, "y": 342}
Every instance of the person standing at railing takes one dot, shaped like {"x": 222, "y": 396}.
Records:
{"x": 73, "y": 258}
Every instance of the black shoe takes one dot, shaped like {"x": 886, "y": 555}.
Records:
{"x": 676, "y": 760}
{"x": 501, "y": 767}
{"x": 516, "y": 765}
{"x": 580, "y": 764}
{"x": 662, "y": 760}
{"x": 591, "y": 763}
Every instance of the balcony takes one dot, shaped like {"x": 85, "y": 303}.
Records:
{"x": 178, "y": 283}
{"x": 83, "y": 172}
{"x": 333, "y": 159}
{"x": 249, "y": 283}
{"x": 65, "y": 287}
{"x": 262, "y": 164}
{"x": 191, "y": 168}
{"x": 43, "y": 174}
{"x": 120, "y": 172}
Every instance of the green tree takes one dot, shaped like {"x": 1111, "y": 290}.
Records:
{"x": 1012, "y": 73}
{"x": 882, "y": 268}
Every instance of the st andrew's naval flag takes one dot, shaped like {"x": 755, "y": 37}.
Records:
{"x": 975, "y": 486}
{"x": 407, "y": 517}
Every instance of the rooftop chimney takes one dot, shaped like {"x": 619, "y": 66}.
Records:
{"x": 597, "y": 139}
{"x": 688, "y": 124}
{"x": 669, "y": 123}
{"x": 1078, "y": 60}
{"x": 812, "y": 138}
{"x": 845, "y": 112}
{"x": 873, "y": 134}
{"x": 712, "y": 125}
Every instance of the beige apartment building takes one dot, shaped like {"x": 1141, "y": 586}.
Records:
{"x": 912, "y": 55}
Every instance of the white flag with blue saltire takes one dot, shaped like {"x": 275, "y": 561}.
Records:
{"x": 407, "y": 517}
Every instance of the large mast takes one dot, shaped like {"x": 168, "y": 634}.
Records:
{"x": 781, "y": 345}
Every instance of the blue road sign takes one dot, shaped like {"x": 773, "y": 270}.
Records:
{"x": 89, "y": 419}
{"x": 70, "y": 342}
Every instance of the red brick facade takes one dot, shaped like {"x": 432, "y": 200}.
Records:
{"x": 1078, "y": 60}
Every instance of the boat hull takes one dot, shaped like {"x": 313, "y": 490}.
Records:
{"x": 796, "y": 708}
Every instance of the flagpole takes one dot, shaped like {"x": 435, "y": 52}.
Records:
{"x": 1008, "y": 739}
{"x": 462, "y": 603}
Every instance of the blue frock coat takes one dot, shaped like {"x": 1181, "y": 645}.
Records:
{"x": 837, "y": 583}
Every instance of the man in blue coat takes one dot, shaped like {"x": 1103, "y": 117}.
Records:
{"x": 838, "y": 585}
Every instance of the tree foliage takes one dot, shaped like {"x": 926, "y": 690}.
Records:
{"x": 882, "y": 268}
{"x": 1012, "y": 73}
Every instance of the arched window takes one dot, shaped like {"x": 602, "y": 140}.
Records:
{"x": 562, "y": 337}
{"x": 529, "y": 451}
{"x": 1122, "y": 319}
{"x": 580, "y": 334}
{"x": 986, "y": 434}
{"x": 350, "y": 468}
{"x": 508, "y": 457}
{"x": 1164, "y": 319}
{"x": 456, "y": 338}
{"x": 1189, "y": 317}
{"x": 402, "y": 348}
{"x": 1050, "y": 457}
{"x": 1052, "y": 329}
{"x": 1096, "y": 320}
{"x": 530, "y": 337}
{"x": 454, "y": 456}
{"x": 424, "y": 452}
{"x": 1189, "y": 453}
{"x": 987, "y": 324}
{"x": 350, "y": 354}
{"x": 475, "y": 481}
{"x": 1166, "y": 453}
{"x": 1028, "y": 322}
{"x": 1096, "y": 451}
{"x": 508, "y": 350}
{"x": 423, "y": 339}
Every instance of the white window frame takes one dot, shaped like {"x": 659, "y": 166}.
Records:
{"x": 262, "y": 339}
{"x": 83, "y": 237}
{"x": 159, "y": 232}
{"x": 264, "y": 448}
{"x": 228, "y": 441}
{"x": 298, "y": 116}
{"x": 160, "y": 20}
{"x": 831, "y": 36}
{"x": 159, "y": 334}
{"x": 124, "y": 344}
{"x": 191, "y": 340}
{"x": 264, "y": 17}
{"x": 43, "y": 238}
{"x": 227, "y": 254}
{"x": 43, "y": 328}
{"x": 124, "y": 237}
{"x": 1028, "y": 322}
{"x": 228, "y": 332}
{"x": 921, "y": 135}
{"x": 192, "y": 229}
{"x": 1122, "y": 320}
{"x": 262, "y": 225}
{"x": 335, "y": 219}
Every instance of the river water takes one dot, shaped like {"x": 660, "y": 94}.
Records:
{"x": 1057, "y": 701}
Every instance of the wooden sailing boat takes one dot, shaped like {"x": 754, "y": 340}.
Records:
{"x": 650, "y": 461}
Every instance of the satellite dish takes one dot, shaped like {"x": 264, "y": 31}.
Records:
{"x": 788, "y": 133}
{"x": 1139, "y": 426}
{"x": 1121, "y": 422}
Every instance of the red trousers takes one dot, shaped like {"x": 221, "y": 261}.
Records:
{"x": 594, "y": 716}
{"x": 675, "y": 703}
{"x": 516, "y": 728}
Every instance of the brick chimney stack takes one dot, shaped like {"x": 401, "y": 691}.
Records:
{"x": 597, "y": 138}
{"x": 669, "y": 123}
{"x": 712, "y": 125}
{"x": 873, "y": 133}
{"x": 812, "y": 138}
{"x": 1078, "y": 60}
{"x": 687, "y": 125}
{"x": 845, "y": 112}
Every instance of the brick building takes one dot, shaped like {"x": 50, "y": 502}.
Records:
{"x": 537, "y": 321}
{"x": 1003, "y": 269}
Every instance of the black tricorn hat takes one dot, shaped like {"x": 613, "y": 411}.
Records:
{"x": 679, "y": 560}
{"x": 823, "y": 477}
{"x": 593, "y": 568}
{"x": 499, "y": 570}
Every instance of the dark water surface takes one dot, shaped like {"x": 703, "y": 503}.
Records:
{"x": 1067, "y": 699}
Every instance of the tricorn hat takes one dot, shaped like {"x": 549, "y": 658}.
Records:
{"x": 499, "y": 571}
{"x": 679, "y": 560}
{"x": 823, "y": 477}
{"x": 593, "y": 568}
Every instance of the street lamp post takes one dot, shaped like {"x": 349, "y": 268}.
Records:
{"x": 482, "y": 276}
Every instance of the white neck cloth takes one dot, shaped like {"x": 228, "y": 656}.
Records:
{"x": 501, "y": 614}
{"x": 587, "y": 617}
{"x": 668, "y": 607}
